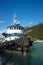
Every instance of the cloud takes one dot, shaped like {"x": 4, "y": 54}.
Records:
{"x": 1, "y": 31}
{"x": 1, "y": 21}
{"x": 30, "y": 23}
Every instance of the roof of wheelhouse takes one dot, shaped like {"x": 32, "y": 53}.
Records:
{"x": 16, "y": 26}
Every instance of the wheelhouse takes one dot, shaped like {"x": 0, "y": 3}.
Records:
{"x": 18, "y": 27}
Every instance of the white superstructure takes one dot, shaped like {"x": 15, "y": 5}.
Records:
{"x": 13, "y": 32}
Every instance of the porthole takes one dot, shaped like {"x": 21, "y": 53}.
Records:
{"x": 10, "y": 38}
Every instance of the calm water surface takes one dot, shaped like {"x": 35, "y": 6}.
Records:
{"x": 33, "y": 57}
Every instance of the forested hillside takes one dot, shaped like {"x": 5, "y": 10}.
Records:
{"x": 35, "y": 31}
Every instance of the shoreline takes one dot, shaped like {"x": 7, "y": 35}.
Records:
{"x": 38, "y": 41}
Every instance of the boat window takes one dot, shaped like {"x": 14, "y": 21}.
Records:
{"x": 9, "y": 38}
{"x": 14, "y": 27}
{"x": 10, "y": 27}
{"x": 17, "y": 28}
{"x": 15, "y": 38}
{"x": 21, "y": 28}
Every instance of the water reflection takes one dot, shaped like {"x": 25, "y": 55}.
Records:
{"x": 33, "y": 57}
{"x": 0, "y": 61}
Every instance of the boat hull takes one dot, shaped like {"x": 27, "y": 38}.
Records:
{"x": 21, "y": 44}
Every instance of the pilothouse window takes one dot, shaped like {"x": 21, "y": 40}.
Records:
{"x": 17, "y": 27}
{"x": 10, "y": 27}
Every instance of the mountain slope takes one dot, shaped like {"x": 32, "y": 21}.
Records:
{"x": 35, "y": 31}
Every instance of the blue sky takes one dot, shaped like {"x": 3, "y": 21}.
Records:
{"x": 28, "y": 12}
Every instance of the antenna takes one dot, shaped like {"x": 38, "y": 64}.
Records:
{"x": 15, "y": 21}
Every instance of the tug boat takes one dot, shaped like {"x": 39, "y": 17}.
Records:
{"x": 15, "y": 38}
{"x": 14, "y": 32}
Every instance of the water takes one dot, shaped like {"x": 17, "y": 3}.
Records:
{"x": 33, "y": 57}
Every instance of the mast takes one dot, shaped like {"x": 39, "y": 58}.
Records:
{"x": 15, "y": 21}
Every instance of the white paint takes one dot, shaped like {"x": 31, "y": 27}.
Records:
{"x": 9, "y": 31}
{"x": 12, "y": 38}
{"x": 14, "y": 31}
